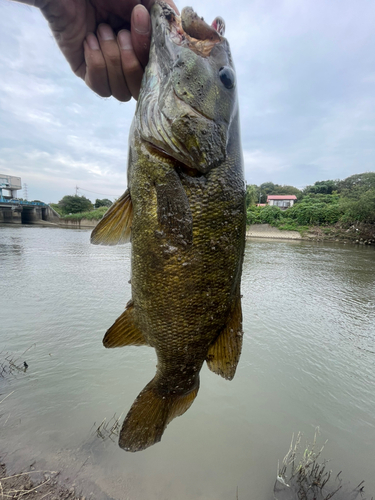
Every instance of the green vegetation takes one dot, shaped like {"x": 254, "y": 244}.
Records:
{"x": 322, "y": 187}
{"x": 92, "y": 215}
{"x": 74, "y": 204}
{"x": 56, "y": 207}
{"x": 80, "y": 207}
{"x": 102, "y": 203}
{"x": 258, "y": 194}
{"x": 326, "y": 203}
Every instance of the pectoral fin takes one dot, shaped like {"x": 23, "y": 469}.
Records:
{"x": 123, "y": 331}
{"x": 224, "y": 353}
{"x": 174, "y": 214}
{"x": 115, "y": 227}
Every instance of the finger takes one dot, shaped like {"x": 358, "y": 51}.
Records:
{"x": 141, "y": 33}
{"x": 96, "y": 71}
{"x": 112, "y": 57}
{"x": 131, "y": 67}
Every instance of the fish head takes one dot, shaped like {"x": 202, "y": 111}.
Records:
{"x": 188, "y": 97}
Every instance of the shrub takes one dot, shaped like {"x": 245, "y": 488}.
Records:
{"x": 92, "y": 215}
{"x": 362, "y": 209}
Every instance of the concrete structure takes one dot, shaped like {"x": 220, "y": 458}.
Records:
{"x": 14, "y": 211}
{"x": 283, "y": 201}
{"x": 26, "y": 212}
{"x": 10, "y": 184}
{"x": 78, "y": 223}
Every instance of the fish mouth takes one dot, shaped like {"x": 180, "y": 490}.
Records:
{"x": 191, "y": 31}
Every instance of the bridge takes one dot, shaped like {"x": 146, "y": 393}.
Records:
{"x": 14, "y": 211}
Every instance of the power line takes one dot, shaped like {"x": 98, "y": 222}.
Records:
{"x": 94, "y": 192}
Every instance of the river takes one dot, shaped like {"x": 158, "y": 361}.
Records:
{"x": 308, "y": 361}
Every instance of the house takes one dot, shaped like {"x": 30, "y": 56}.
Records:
{"x": 283, "y": 201}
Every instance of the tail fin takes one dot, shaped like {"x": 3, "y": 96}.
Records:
{"x": 150, "y": 414}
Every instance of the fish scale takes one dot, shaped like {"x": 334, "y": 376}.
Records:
{"x": 185, "y": 212}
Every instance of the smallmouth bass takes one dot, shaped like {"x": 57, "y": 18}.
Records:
{"x": 184, "y": 210}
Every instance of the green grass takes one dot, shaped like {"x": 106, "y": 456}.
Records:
{"x": 56, "y": 208}
{"x": 293, "y": 226}
{"x": 92, "y": 215}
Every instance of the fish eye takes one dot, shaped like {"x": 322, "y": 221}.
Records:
{"x": 226, "y": 75}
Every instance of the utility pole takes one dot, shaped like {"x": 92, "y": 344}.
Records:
{"x": 77, "y": 190}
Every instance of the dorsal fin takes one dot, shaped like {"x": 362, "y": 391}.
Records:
{"x": 115, "y": 226}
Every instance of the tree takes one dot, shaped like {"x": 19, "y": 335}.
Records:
{"x": 267, "y": 188}
{"x": 270, "y": 188}
{"x": 287, "y": 190}
{"x": 75, "y": 204}
{"x": 252, "y": 195}
{"x": 361, "y": 209}
{"x": 356, "y": 185}
{"x": 322, "y": 187}
{"x": 102, "y": 203}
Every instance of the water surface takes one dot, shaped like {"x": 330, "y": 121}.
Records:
{"x": 308, "y": 360}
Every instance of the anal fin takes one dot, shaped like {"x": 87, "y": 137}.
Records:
{"x": 115, "y": 227}
{"x": 123, "y": 332}
{"x": 224, "y": 353}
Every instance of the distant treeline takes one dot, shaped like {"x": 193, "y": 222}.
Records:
{"x": 80, "y": 207}
{"x": 350, "y": 201}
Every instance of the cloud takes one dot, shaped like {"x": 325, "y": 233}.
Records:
{"x": 305, "y": 73}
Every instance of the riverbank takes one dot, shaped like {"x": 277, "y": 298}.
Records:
{"x": 362, "y": 234}
{"x": 34, "y": 485}
{"x": 267, "y": 231}
{"x": 78, "y": 223}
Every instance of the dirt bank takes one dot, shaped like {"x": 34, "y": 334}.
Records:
{"x": 267, "y": 231}
{"x": 360, "y": 233}
{"x": 34, "y": 485}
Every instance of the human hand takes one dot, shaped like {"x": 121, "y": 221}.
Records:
{"x": 106, "y": 42}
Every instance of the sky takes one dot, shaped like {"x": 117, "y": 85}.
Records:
{"x": 305, "y": 79}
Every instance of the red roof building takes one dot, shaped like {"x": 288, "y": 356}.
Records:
{"x": 282, "y": 201}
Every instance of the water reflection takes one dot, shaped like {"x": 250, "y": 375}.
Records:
{"x": 13, "y": 246}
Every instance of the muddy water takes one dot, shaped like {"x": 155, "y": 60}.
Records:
{"x": 308, "y": 360}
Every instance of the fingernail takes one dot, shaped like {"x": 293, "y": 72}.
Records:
{"x": 105, "y": 32}
{"x": 125, "y": 41}
{"x": 92, "y": 41}
{"x": 141, "y": 20}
